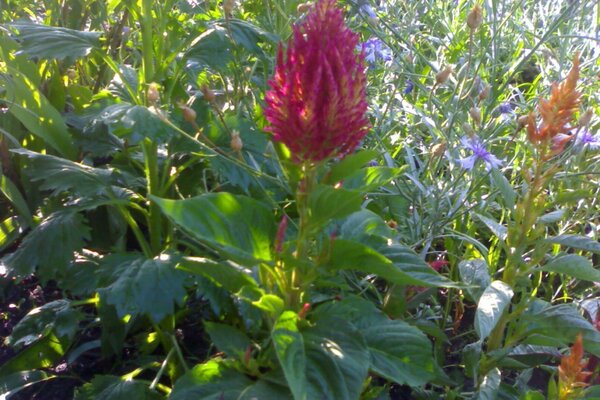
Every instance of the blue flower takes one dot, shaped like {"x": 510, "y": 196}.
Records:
{"x": 409, "y": 87}
{"x": 475, "y": 145}
{"x": 375, "y": 49}
{"x": 586, "y": 138}
{"x": 505, "y": 108}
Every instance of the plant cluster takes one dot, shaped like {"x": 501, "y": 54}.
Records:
{"x": 284, "y": 200}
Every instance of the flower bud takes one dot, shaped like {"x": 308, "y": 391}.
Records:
{"x": 522, "y": 121}
{"x": 438, "y": 149}
{"x": 475, "y": 17}
{"x": 475, "y": 113}
{"x": 236, "y": 141}
{"x": 484, "y": 93}
{"x": 228, "y": 6}
{"x": 443, "y": 75}
{"x": 468, "y": 130}
{"x": 189, "y": 115}
{"x": 208, "y": 94}
{"x": 152, "y": 95}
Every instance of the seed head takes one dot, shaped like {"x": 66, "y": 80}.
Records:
{"x": 443, "y": 75}
{"x": 475, "y": 17}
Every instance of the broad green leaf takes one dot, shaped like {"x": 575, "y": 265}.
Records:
{"x": 55, "y": 42}
{"x": 36, "y": 113}
{"x": 471, "y": 356}
{"x": 497, "y": 229}
{"x": 492, "y": 303}
{"x": 10, "y": 230}
{"x": 349, "y": 165}
{"x": 137, "y": 283}
{"x": 370, "y": 178}
{"x": 576, "y": 242}
{"x": 398, "y": 351}
{"x": 506, "y": 190}
{"x": 476, "y": 274}
{"x": 41, "y": 354}
{"x": 56, "y": 316}
{"x": 270, "y": 303}
{"x": 337, "y": 360}
{"x": 13, "y": 383}
{"x": 249, "y": 35}
{"x": 553, "y": 216}
{"x": 135, "y": 123}
{"x": 578, "y": 267}
{"x": 49, "y": 246}
{"x": 558, "y": 325}
{"x": 327, "y": 203}
{"x": 362, "y": 224}
{"x": 488, "y": 390}
{"x": 228, "y": 339}
{"x": 289, "y": 347}
{"x": 238, "y": 226}
{"x": 400, "y": 265}
{"x": 227, "y": 274}
{"x": 13, "y": 194}
{"x": 212, "y": 48}
{"x": 213, "y": 380}
{"x": 107, "y": 387}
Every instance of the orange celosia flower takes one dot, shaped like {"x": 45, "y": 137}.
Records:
{"x": 557, "y": 112}
{"x": 571, "y": 374}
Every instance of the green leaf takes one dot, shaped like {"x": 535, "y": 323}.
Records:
{"x": 327, "y": 203}
{"x": 576, "y": 242}
{"x": 547, "y": 325}
{"x": 553, "y": 216}
{"x": 54, "y": 42}
{"x": 49, "y": 246}
{"x": 578, "y": 267}
{"x": 400, "y": 265}
{"x": 36, "y": 113}
{"x": 289, "y": 347}
{"x": 135, "y": 123}
{"x": 228, "y": 339}
{"x": 270, "y": 303}
{"x": 211, "y": 49}
{"x": 506, "y": 190}
{"x": 337, "y": 360}
{"x": 13, "y": 383}
{"x": 398, "y": 351}
{"x": 107, "y": 387}
{"x": 488, "y": 390}
{"x": 137, "y": 283}
{"x": 476, "y": 274}
{"x": 349, "y": 165}
{"x": 370, "y": 178}
{"x": 213, "y": 380}
{"x": 227, "y": 274}
{"x": 364, "y": 223}
{"x": 497, "y": 229}
{"x": 249, "y": 35}
{"x": 13, "y": 194}
{"x": 492, "y": 303}
{"x": 238, "y": 226}
{"x": 41, "y": 354}
{"x": 56, "y": 316}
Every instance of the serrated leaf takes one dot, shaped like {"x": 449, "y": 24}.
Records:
{"x": 228, "y": 339}
{"x": 289, "y": 347}
{"x": 327, "y": 203}
{"x": 229, "y": 275}
{"x": 237, "y": 226}
{"x": 576, "y": 242}
{"x": 364, "y": 223}
{"x": 144, "y": 286}
{"x": 578, "y": 267}
{"x": 212, "y": 48}
{"x": 337, "y": 360}
{"x": 56, "y": 316}
{"x": 399, "y": 265}
{"x": 476, "y": 274}
{"x": 55, "y": 42}
{"x": 213, "y": 380}
{"x": 492, "y": 303}
{"x": 497, "y": 229}
{"x": 49, "y": 246}
{"x": 107, "y": 387}
{"x": 135, "y": 123}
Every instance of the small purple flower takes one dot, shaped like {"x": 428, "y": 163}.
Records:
{"x": 586, "y": 138}
{"x": 409, "y": 87}
{"x": 505, "y": 108}
{"x": 375, "y": 49}
{"x": 475, "y": 145}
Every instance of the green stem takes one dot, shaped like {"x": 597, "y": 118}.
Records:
{"x": 147, "y": 41}
{"x": 153, "y": 185}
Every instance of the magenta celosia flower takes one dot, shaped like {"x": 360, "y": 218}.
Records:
{"x": 317, "y": 102}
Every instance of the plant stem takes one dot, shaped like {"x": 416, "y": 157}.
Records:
{"x": 153, "y": 184}
{"x": 147, "y": 41}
